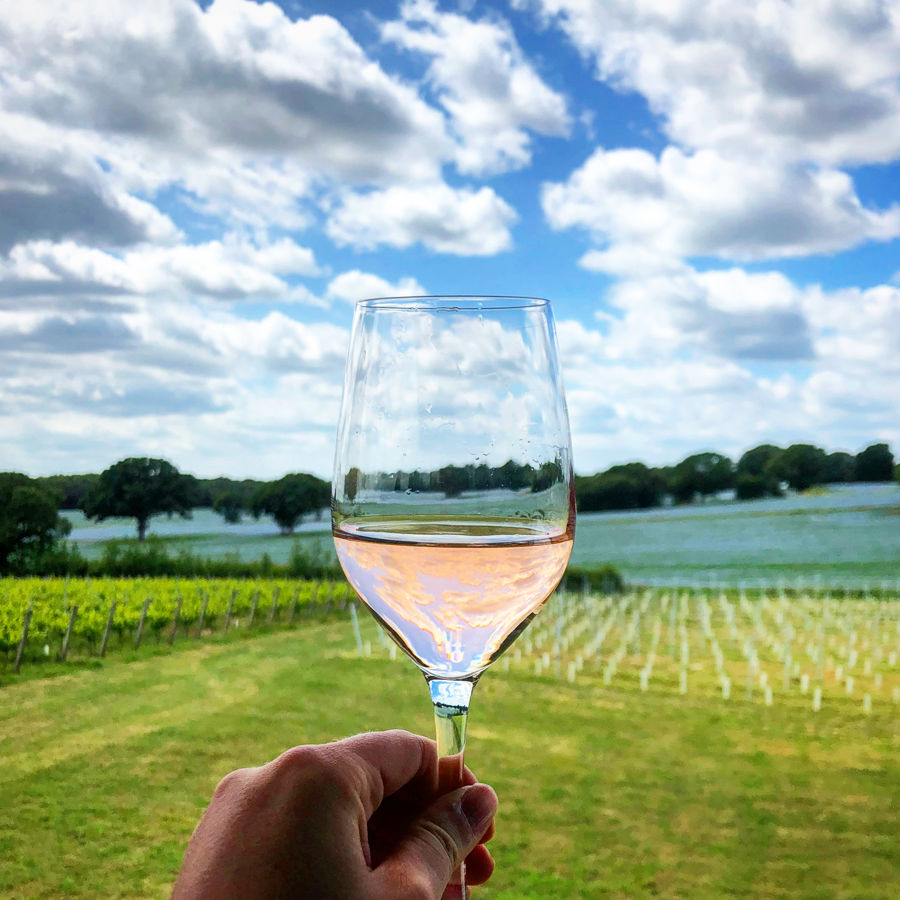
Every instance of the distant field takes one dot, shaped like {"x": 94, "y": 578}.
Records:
{"x": 606, "y": 790}
{"x": 848, "y": 535}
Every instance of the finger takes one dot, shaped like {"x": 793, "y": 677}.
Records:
{"x": 441, "y": 838}
{"x": 388, "y": 760}
{"x": 479, "y": 865}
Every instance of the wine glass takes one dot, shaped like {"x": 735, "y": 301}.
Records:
{"x": 453, "y": 507}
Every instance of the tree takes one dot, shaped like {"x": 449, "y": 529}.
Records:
{"x": 702, "y": 473}
{"x": 875, "y": 463}
{"x": 29, "y": 521}
{"x": 351, "y": 483}
{"x": 139, "y": 488}
{"x": 72, "y": 488}
{"x": 547, "y": 475}
{"x": 649, "y": 485}
{"x": 290, "y": 498}
{"x": 801, "y": 466}
{"x": 752, "y": 487}
{"x": 629, "y": 486}
{"x": 755, "y": 476}
{"x": 756, "y": 460}
{"x": 454, "y": 480}
{"x": 512, "y": 475}
{"x": 210, "y": 490}
{"x": 839, "y": 467}
{"x": 229, "y": 506}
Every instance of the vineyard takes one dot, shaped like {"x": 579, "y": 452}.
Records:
{"x": 58, "y": 618}
{"x": 766, "y": 645}
{"x": 805, "y": 649}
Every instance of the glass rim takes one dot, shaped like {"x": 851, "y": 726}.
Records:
{"x": 452, "y": 302}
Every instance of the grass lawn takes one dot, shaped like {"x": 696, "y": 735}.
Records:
{"x": 604, "y": 791}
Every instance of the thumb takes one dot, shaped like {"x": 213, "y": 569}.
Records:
{"x": 440, "y": 839}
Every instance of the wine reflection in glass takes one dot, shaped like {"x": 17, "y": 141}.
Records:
{"x": 453, "y": 507}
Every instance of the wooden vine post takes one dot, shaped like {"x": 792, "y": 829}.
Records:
{"x": 253, "y": 604}
{"x": 271, "y": 617}
{"x": 107, "y": 629}
{"x": 230, "y": 610}
{"x": 64, "y": 650}
{"x": 293, "y": 608}
{"x": 140, "y": 628}
{"x": 175, "y": 619}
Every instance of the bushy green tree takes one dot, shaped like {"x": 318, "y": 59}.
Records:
{"x": 29, "y": 522}
{"x": 454, "y": 480}
{"x": 513, "y": 475}
{"x": 139, "y": 488}
{"x": 756, "y": 460}
{"x": 290, "y": 498}
{"x": 801, "y": 466}
{"x": 840, "y": 467}
{"x": 547, "y": 475}
{"x": 629, "y": 486}
{"x": 755, "y": 476}
{"x": 701, "y": 473}
{"x": 230, "y": 506}
{"x": 72, "y": 489}
{"x": 875, "y": 463}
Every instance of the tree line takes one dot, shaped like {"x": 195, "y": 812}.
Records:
{"x": 763, "y": 471}
{"x": 138, "y": 488}
{"x": 142, "y": 487}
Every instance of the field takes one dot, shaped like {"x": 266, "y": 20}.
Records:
{"x": 844, "y": 535}
{"x": 624, "y": 765}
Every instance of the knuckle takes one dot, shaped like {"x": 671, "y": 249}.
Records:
{"x": 418, "y": 887}
{"x": 297, "y": 759}
{"x": 233, "y": 783}
{"x": 317, "y": 770}
{"x": 439, "y": 838}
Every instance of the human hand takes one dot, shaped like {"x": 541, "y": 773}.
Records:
{"x": 359, "y": 819}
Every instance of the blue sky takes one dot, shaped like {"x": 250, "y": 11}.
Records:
{"x": 192, "y": 197}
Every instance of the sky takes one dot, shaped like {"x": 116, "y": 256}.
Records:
{"x": 192, "y": 198}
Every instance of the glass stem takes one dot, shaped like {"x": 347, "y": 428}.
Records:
{"x": 451, "y": 714}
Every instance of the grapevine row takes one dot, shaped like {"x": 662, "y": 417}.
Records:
{"x": 118, "y": 607}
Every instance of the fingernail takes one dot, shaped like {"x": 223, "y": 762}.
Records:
{"x": 479, "y": 803}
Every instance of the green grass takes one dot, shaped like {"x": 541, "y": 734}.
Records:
{"x": 605, "y": 791}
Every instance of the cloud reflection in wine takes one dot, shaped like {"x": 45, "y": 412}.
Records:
{"x": 454, "y": 606}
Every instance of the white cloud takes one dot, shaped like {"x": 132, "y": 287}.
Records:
{"x": 730, "y": 314}
{"x": 483, "y": 80}
{"x": 461, "y": 221}
{"x": 236, "y": 104}
{"x": 50, "y": 188}
{"x": 647, "y": 388}
{"x": 704, "y": 204}
{"x": 355, "y": 285}
{"x": 231, "y": 269}
{"x": 209, "y": 389}
{"x": 861, "y": 328}
{"x": 809, "y": 80}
